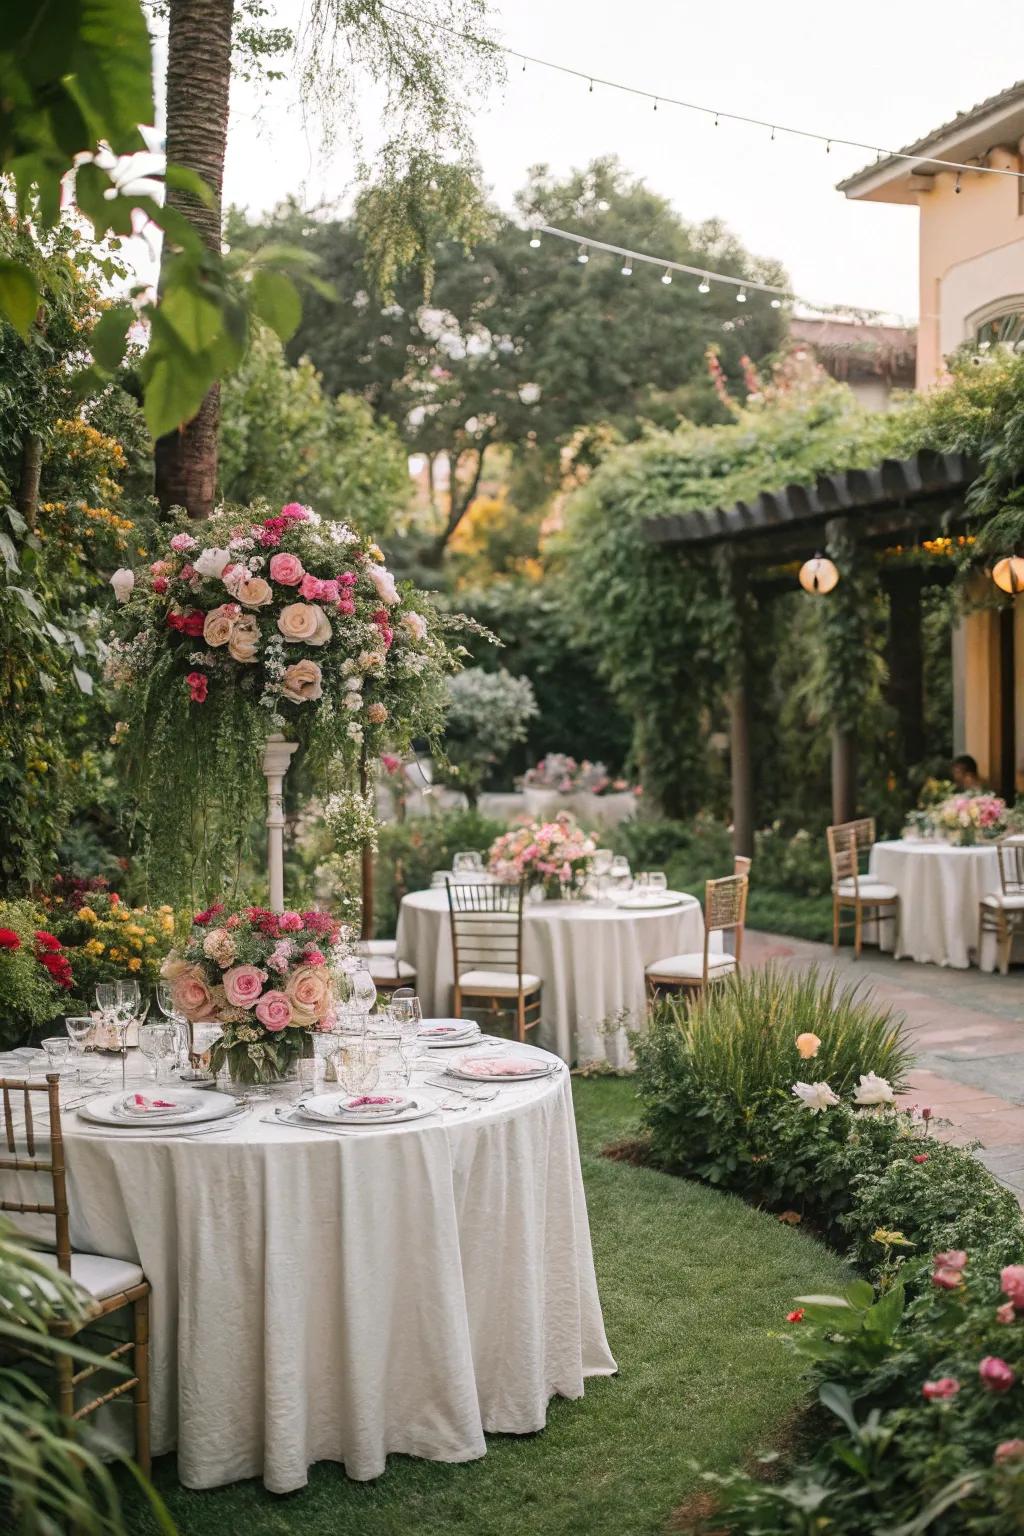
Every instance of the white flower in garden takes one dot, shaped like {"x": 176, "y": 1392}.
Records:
{"x": 353, "y": 701}
{"x": 384, "y": 583}
{"x": 416, "y": 624}
{"x": 355, "y": 731}
{"x": 123, "y": 583}
{"x": 873, "y": 1089}
{"x": 353, "y": 684}
{"x": 211, "y": 562}
{"x": 815, "y": 1096}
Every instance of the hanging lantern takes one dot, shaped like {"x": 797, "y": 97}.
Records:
{"x": 819, "y": 574}
{"x": 1008, "y": 574}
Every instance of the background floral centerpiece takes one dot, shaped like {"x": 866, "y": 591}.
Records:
{"x": 259, "y": 623}
{"x": 558, "y": 771}
{"x": 107, "y": 939}
{"x": 554, "y": 854}
{"x": 267, "y": 978}
{"x": 967, "y": 819}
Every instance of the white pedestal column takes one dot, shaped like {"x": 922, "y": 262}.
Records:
{"x": 277, "y": 754}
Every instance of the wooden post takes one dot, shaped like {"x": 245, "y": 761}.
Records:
{"x": 905, "y": 660}
{"x": 844, "y": 775}
{"x": 366, "y": 861}
{"x": 277, "y": 754}
{"x": 741, "y": 767}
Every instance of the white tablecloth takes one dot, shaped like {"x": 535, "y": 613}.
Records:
{"x": 940, "y": 888}
{"x": 320, "y": 1297}
{"x": 590, "y": 959}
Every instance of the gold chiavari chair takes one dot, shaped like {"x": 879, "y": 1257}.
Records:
{"x": 725, "y": 911}
{"x": 487, "y": 951}
{"x": 111, "y": 1284}
{"x": 848, "y": 842}
{"x": 1002, "y": 912}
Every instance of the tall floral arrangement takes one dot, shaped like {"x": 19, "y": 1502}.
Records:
{"x": 265, "y": 977}
{"x": 264, "y": 622}
{"x": 555, "y": 854}
{"x": 963, "y": 819}
{"x": 558, "y": 771}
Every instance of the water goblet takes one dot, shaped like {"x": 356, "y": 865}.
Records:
{"x": 602, "y": 861}
{"x": 57, "y": 1048}
{"x": 657, "y": 880}
{"x": 357, "y": 1064}
{"x": 407, "y": 1015}
{"x": 159, "y": 1044}
{"x": 79, "y": 1030}
{"x": 395, "y": 1070}
{"x": 364, "y": 990}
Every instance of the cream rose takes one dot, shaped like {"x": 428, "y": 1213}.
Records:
{"x": 301, "y": 621}
{"x": 255, "y": 593}
{"x": 244, "y": 642}
{"x": 123, "y": 583}
{"x": 323, "y": 629}
{"x": 219, "y": 624}
{"x": 302, "y": 681}
{"x": 309, "y": 990}
{"x": 190, "y": 993}
{"x": 172, "y": 965}
{"x": 416, "y": 624}
{"x": 211, "y": 562}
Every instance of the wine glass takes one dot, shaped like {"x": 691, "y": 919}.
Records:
{"x": 159, "y": 1044}
{"x": 657, "y": 880}
{"x": 364, "y": 990}
{"x": 619, "y": 872}
{"x": 57, "y": 1048}
{"x": 357, "y": 1063}
{"x": 165, "y": 1003}
{"x": 407, "y": 1018}
{"x": 79, "y": 1030}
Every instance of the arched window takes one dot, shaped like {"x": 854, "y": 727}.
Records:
{"x": 1000, "y": 324}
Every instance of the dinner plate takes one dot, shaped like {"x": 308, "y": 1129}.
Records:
{"x": 650, "y": 903}
{"x": 103, "y": 1110}
{"x": 458, "y": 1032}
{"x": 482, "y": 1069}
{"x": 326, "y": 1107}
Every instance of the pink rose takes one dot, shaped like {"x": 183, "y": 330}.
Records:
{"x": 1011, "y": 1281}
{"x": 243, "y": 985}
{"x": 309, "y": 990}
{"x": 286, "y": 570}
{"x": 274, "y": 1011}
{"x": 953, "y": 1258}
{"x": 181, "y": 542}
{"x": 289, "y": 922}
{"x": 1009, "y": 1450}
{"x": 995, "y": 1374}
{"x": 416, "y": 624}
{"x": 947, "y": 1279}
{"x": 946, "y": 1386}
{"x": 160, "y": 584}
{"x": 1006, "y": 1313}
{"x": 192, "y": 995}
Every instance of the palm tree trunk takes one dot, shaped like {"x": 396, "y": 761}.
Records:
{"x": 198, "y": 84}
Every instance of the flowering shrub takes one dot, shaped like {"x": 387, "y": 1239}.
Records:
{"x": 266, "y": 977}
{"x": 556, "y": 854}
{"x": 105, "y": 939}
{"x": 488, "y": 713}
{"x": 558, "y": 771}
{"x": 35, "y": 976}
{"x": 266, "y": 623}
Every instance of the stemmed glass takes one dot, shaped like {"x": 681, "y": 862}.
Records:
{"x": 165, "y": 1003}
{"x": 364, "y": 990}
{"x": 79, "y": 1029}
{"x": 357, "y": 1063}
{"x": 120, "y": 1003}
{"x": 159, "y": 1044}
{"x": 407, "y": 1017}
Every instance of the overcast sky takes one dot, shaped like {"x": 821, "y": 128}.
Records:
{"x": 876, "y": 71}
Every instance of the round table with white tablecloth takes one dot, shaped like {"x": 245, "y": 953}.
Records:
{"x": 345, "y": 1296}
{"x": 940, "y": 888}
{"x": 590, "y": 959}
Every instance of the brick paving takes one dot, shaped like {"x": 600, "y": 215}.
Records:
{"x": 968, "y": 1030}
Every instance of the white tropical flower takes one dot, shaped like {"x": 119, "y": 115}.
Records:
{"x": 815, "y": 1096}
{"x": 873, "y": 1089}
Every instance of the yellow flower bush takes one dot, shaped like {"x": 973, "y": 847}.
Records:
{"x": 106, "y": 939}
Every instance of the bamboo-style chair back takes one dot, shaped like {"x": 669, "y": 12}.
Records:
{"x": 725, "y": 910}
{"x": 487, "y": 927}
{"x": 43, "y": 1154}
{"x": 741, "y": 865}
{"x": 1010, "y": 851}
{"x": 848, "y": 841}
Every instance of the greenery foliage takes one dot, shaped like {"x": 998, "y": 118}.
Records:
{"x": 487, "y": 715}
{"x": 29, "y": 995}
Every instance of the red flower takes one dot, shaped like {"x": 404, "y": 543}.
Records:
{"x": 995, "y": 1374}
{"x": 796, "y": 1316}
{"x": 198, "y": 686}
{"x": 202, "y": 918}
{"x": 59, "y": 969}
{"x": 47, "y": 941}
{"x": 922, "y": 1157}
{"x": 380, "y": 618}
{"x": 190, "y": 623}
{"x": 9, "y": 939}
{"x": 946, "y": 1386}
{"x": 160, "y": 584}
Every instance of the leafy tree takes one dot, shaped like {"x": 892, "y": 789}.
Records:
{"x": 520, "y": 347}
{"x": 284, "y": 439}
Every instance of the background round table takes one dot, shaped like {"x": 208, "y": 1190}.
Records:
{"x": 590, "y": 959}
{"x": 940, "y": 889}
{"x": 342, "y": 1297}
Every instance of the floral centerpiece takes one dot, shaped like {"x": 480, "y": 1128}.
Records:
{"x": 962, "y": 819}
{"x": 260, "y": 623}
{"x": 564, "y": 774}
{"x": 267, "y": 978}
{"x": 555, "y": 855}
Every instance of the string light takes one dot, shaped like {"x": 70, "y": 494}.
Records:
{"x": 777, "y": 294}
{"x": 583, "y": 256}
{"x": 534, "y": 242}
{"x": 627, "y": 268}
{"x": 603, "y": 205}
{"x": 700, "y": 107}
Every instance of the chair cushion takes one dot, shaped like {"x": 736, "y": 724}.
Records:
{"x": 377, "y": 946}
{"x": 387, "y": 968}
{"x": 691, "y": 967}
{"x": 501, "y": 981}
{"x": 869, "y": 889}
{"x": 1010, "y": 902}
{"x": 101, "y": 1277}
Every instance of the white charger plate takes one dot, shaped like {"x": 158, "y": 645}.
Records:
{"x": 542, "y": 1069}
{"x": 650, "y": 903}
{"x": 325, "y": 1107}
{"x": 206, "y": 1106}
{"x": 467, "y": 1033}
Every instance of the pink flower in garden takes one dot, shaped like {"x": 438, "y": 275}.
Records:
{"x": 1006, "y": 1313}
{"x": 191, "y": 994}
{"x": 380, "y": 618}
{"x": 289, "y": 922}
{"x": 287, "y": 570}
{"x": 1011, "y": 1282}
{"x": 390, "y": 763}
{"x": 947, "y": 1279}
{"x": 160, "y": 584}
{"x": 953, "y": 1258}
{"x": 198, "y": 686}
{"x": 921, "y": 1157}
{"x": 1009, "y": 1450}
{"x": 345, "y": 606}
{"x": 269, "y": 535}
{"x": 274, "y": 1011}
{"x": 315, "y": 590}
{"x": 295, "y": 512}
{"x": 945, "y": 1386}
{"x": 796, "y": 1316}
{"x": 186, "y": 573}
{"x": 314, "y": 956}
{"x": 384, "y": 583}
{"x": 280, "y": 956}
{"x": 995, "y": 1374}
{"x": 181, "y": 542}
{"x": 347, "y": 579}
{"x": 243, "y": 985}
{"x": 160, "y": 568}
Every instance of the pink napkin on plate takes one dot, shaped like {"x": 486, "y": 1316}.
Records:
{"x": 139, "y": 1104}
{"x": 500, "y": 1066}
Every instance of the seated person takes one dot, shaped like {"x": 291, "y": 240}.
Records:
{"x": 964, "y": 773}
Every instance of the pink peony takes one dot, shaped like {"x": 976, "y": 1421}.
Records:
{"x": 995, "y": 1374}
{"x": 953, "y": 1258}
{"x": 286, "y": 570}
{"x": 384, "y": 584}
{"x": 289, "y": 922}
{"x": 315, "y": 590}
{"x": 160, "y": 584}
{"x": 947, "y": 1279}
{"x": 1009, "y": 1450}
{"x": 946, "y": 1386}
{"x": 198, "y": 685}
{"x": 181, "y": 542}
{"x": 295, "y": 512}
{"x": 274, "y": 1011}
{"x": 1006, "y": 1313}
{"x": 243, "y": 985}
{"x": 1011, "y": 1281}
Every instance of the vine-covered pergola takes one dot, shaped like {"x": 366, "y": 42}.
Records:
{"x": 852, "y": 516}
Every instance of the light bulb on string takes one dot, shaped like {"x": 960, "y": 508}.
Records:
{"x": 627, "y": 267}
{"x": 741, "y": 297}
{"x": 818, "y": 575}
{"x": 603, "y": 205}
{"x": 666, "y": 277}
{"x": 776, "y": 304}
{"x": 703, "y": 286}
{"x": 534, "y": 242}
{"x": 583, "y": 256}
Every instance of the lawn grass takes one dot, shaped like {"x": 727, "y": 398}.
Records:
{"x": 694, "y": 1286}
